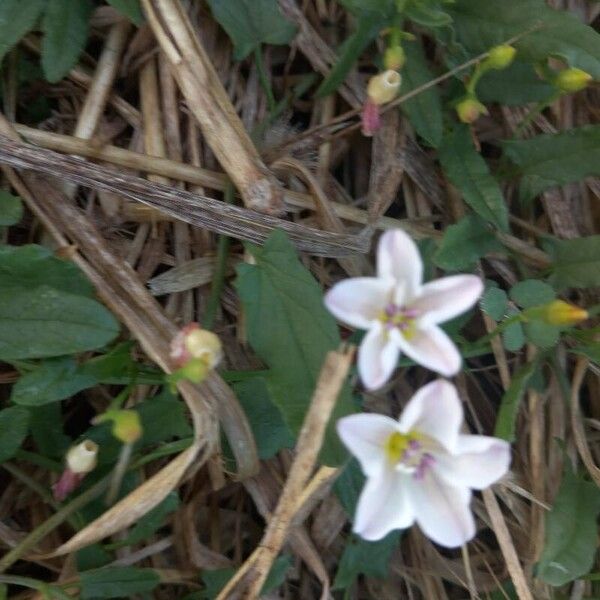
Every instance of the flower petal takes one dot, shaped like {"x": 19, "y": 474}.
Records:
{"x": 436, "y": 411}
{"x": 377, "y": 357}
{"x": 365, "y": 436}
{"x": 477, "y": 461}
{"x": 382, "y": 507}
{"x": 398, "y": 258}
{"x": 358, "y": 301}
{"x": 446, "y": 298}
{"x": 442, "y": 511}
{"x": 433, "y": 349}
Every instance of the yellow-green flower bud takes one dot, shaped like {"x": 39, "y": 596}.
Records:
{"x": 500, "y": 57}
{"x": 394, "y": 58}
{"x": 469, "y": 109}
{"x": 560, "y": 312}
{"x": 83, "y": 457}
{"x": 383, "y": 88}
{"x": 127, "y": 427}
{"x": 572, "y": 80}
{"x": 194, "y": 342}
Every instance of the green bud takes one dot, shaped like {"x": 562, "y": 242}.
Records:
{"x": 572, "y": 80}
{"x": 500, "y": 57}
{"x": 127, "y": 427}
{"x": 469, "y": 109}
{"x": 394, "y": 58}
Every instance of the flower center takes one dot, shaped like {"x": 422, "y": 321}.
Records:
{"x": 400, "y": 318}
{"x": 407, "y": 452}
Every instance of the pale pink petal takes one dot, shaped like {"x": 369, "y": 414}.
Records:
{"x": 436, "y": 411}
{"x": 398, "y": 258}
{"x": 365, "y": 436}
{"x": 442, "y": 511}
{"x": 433, "y": 349}
{"x": 377, "y": 357}
{"x": 477, "y": 461}
{"x": 382, "y": 507}
{"x": 359, "y": 301}
{"x": 446, "y": 298}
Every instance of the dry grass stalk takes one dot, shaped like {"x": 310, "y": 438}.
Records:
{"x": 210, "y": 104}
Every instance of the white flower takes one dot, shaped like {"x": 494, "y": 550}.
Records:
{"x": 421, "y": 468}
{"x": 401, "y": 313}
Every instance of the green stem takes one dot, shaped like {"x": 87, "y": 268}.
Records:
{"x": 264, "y": 79}
{"x": 218, "y": 281}
{"x": 499, "y": 329}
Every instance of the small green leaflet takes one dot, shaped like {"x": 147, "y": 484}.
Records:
{"x": 250, "y": 23}
{"x": 129, "y": 8}
{"x": 552, "y": 159}
{"x": 531, "y": 292}
{"x": 571, "y": 532}
{"x": 424, "y": 111}
{"x": 65, "y": 25}
{"x": 548, "y": 32}
{"x": 11, "y": 209}
{"x": 576, "y": 262}
{"x": 17, "y": 17}
{"x": 513, "y": 336}
{"x": 14, "y": 424}
{"x": 291, "y": 331}
{"x": 117, "y": 582}
{"x": 469, "y": 172}
{"x": 427, "y": 13}
{"x": 494, "y": 303}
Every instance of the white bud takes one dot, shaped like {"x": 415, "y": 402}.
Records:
{"x": 83, "y": 457}
{"x": 383, "y": 88}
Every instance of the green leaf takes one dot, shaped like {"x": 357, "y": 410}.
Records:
{"x": 163, "y": 418}
{"x": 494, "y": 302}
{"x": 513, "y": 337}
{"x": 14, "y": 424}
{"x": 290, "y": 329}
{"x": 576, "y": 262}
{"x": 117, "y": 582}
{"x": 571, "y": 532}
{"x": 481, "y": 25}
{"x": 368, "y": 29}
{"x": 53, "y": 380}
{"x": 31, "y": 266}
{"x": 17, "y": 17}
{"x": 361, "y": 557}
{"x": 65, "y": 25}
{"x": 362, "y": 7}
{"x": 46, "y": 424}
{"x": 464, "y": 244}
{"x": 11, "y": 208}
{"x": 43, "y": 322}
{"x": 552, "y": 159}
{"x": 514, "y": 86}
{"x": 425, "y": 13}
{"x": 250, "y": 23}
{"x": 424, "y": 111}
{"x": 592, "y": 351}
{"x": 270, "y": 431}
{"x": 469, "y": 172}
{"x": 531, "y": 292}
{"x": 511, "y": 402}
{"x": 542, "y": 335}
{"x": 130, "y": 8}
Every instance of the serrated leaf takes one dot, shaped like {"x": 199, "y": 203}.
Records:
{"x": 65, "y": 26}
{"x": 14, "y": 424}
{"x": 481, "y": 25}
{"x": 117, "y": 582}
{"x": 531, "y": 292}
{"x": 17, "y": 17}
{"x": 514, "y": 86}
{"x": 548, "y": 160}
{"x": 43, "y": 322}
{"x": 571, "y": 532}
{"x": 424, "y": 111}
{"x": 53, "y": 380}
{"x": 576, "y": 262}
{"x": 469, "y": 172}
{"x": 464, "y": 244}
{"x": 31, "y": 266}
{"x": 130, "y": 8}
{"x": 11, "y": 209}
{"x": 511, "y": 402}
{"x": 250, "y": 23}
{"x": 368, "y": 29}
{"x": 290, "y": 329}
{"x": 494, "y": 302}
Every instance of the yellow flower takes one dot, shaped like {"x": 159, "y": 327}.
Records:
{"x": 559, "y": 312}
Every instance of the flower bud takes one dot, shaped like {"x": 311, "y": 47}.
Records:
{"x": 83, "y": 457}
{"x": 127, "y": 427}
{"x": 500, "y": 57}
{"x": 383, "y": 88}
{"x": 469, "y": 109}
{"x": 560, "y": 312}
{"x": 572, "y": 80}
{"x": 192, "y": 342}
{"x": 394, "y": 58}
